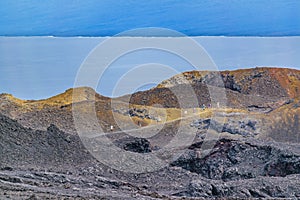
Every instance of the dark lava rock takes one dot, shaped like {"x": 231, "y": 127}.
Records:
{"x": 241, "y": 127}
{"x": 55, "y": 165}
{"x": 32, "y": 197}
{"x": 234, "y": 160}
{"x": 261, "y": 187}
{"x": 245, "y": 127}
{"x": 133, "y": 144}
{"x": 7, "y": 169}
{"x": 23, "y": 146}
{"x": 201, "y": 123}
{"x": 230, "y": 83}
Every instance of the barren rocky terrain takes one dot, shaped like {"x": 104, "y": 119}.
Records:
{"x": 255, "y": 145}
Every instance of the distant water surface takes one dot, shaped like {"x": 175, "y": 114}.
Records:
{"x": 39, "y": 67}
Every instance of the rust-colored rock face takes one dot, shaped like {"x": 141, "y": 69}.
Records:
{"x": 243, "y": 87}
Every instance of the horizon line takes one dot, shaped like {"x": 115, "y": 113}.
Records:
{"x": 144, "y": 36}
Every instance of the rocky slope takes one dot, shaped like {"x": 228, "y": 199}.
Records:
{"x": 53, "y": 164}
{"x": 39, "y": 114}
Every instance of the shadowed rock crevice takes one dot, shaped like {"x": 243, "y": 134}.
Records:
{"x": 133, "y": 144}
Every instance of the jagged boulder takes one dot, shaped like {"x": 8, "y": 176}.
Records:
{"x": 261, "y": 187}
{"x": 134, "y": 144}
{"x": 234, "y": 160}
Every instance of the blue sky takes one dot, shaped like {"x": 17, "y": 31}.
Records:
{"x": 109, "y": 17}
